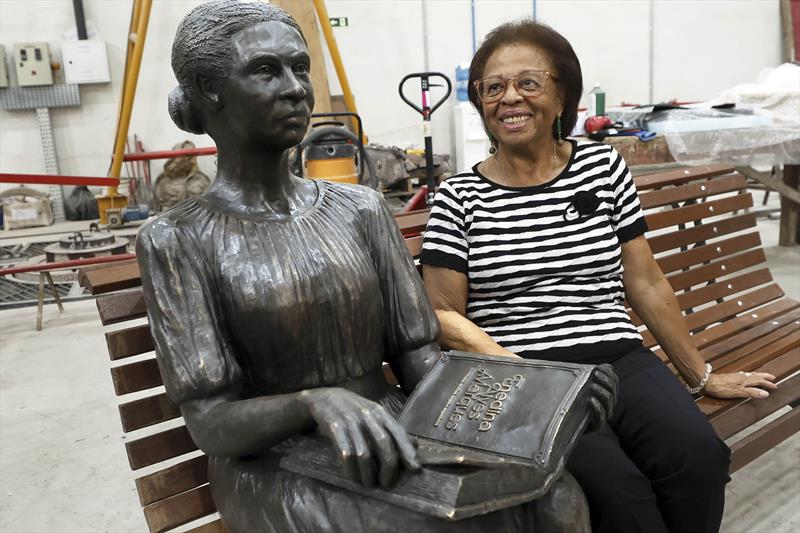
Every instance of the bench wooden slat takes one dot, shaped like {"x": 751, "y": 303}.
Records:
{"x": 716, "y": 269}
{"x": 716, "y": 291}
{"x": 692, "y": 213}
{"x": 775, "y": 337}
{"x": 758, "y": 359}
{"x": 414, "y": 222}
{"x": 173, "y": 480}
{"x": 121, "y": 306}
{"x": 751, "y": 411}
{"x": 725, "y": 310}
{"x": 136, "y": 376}
{"x": 743, "y": 322}
{"x": 781, "y": 367}
{"x": 179, "y": 509}
{"x": 708, "y": 252}
{"x": 679, "y": 175}
{"x": 147, "y": 412}
{"x": 159, "y": 447}
{"x": 702, "y": 233}
{"x": 100, "y": 279}
{"x": 692, "y": 191}
{"x": 414, "y": 245}
{"x": 750, "y": 335}
{"x": 764, "y": 439}
{"x": 129, "y": 342}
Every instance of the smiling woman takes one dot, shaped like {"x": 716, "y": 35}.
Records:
{"x": 532, "y": 254}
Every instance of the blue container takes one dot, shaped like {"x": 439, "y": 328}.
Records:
{"x": 462, "y": 82}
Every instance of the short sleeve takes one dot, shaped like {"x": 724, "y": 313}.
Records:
{"x": 193, "y": 353}
{"x": 445, "y": 241}
{"x": 626, "y": 216}
{"x": 410, "y": 322}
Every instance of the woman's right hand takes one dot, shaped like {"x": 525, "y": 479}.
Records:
{"x": 363, "y": 433}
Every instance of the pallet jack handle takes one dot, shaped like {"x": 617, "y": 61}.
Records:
{"x": 426, "y": 111}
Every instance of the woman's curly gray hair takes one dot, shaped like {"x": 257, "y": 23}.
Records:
{"x": 202, "y": 45}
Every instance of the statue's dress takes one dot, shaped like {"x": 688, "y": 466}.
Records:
{"x": 256, "y": 306}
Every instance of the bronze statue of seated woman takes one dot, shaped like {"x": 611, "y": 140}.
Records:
{"x": 274, "y": 300}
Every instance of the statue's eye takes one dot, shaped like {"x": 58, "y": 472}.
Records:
{"x": 270, "y": 70}
{"x": 301, "y": 68}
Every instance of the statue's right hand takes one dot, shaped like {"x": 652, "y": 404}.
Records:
{"x": 363, "y": 433}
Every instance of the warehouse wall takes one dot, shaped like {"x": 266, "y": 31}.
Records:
{"x": 701, "y": 48}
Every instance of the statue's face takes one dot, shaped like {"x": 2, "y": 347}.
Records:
{"x": 267, "y": 98}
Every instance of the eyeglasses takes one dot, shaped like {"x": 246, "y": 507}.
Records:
{"x": 526, "y": 83}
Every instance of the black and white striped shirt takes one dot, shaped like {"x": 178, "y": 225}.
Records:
{"x": 545, "y": 281}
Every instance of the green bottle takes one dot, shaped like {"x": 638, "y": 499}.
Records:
{"x": 597, "y": 101}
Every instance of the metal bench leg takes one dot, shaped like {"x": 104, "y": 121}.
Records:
{"x": 55, "y": 292}
{"x": 40, "y": 306}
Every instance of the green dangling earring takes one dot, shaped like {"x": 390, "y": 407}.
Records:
{"x": 558, "y": 127}
{"x": 492, "y": 143}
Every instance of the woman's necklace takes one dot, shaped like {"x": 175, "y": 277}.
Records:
{"x": 502, "y": 176}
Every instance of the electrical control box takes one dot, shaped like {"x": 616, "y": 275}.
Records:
{"x": 32, "y": 63}
{"x": 85, "y": 61}
{"x": 3, "y": 68}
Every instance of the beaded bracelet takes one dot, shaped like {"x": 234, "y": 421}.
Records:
{"x": 700, "y": 386}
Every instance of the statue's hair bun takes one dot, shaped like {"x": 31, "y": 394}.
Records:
{"x": 182, "y": 113}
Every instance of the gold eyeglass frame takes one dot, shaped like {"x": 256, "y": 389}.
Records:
{"x": 476, "y": 84}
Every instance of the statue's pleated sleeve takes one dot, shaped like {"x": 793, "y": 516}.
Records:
{"x": 192, "y": 349}
{"x": 408, "y": 315}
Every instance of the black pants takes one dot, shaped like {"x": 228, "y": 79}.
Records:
{"x": 657, "y": 466}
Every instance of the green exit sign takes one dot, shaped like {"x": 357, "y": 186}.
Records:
{"x": 338, "y": 22}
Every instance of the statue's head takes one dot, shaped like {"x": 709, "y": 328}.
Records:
{"x": 244, "y": 74}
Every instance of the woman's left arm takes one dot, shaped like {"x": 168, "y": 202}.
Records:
{"x": 650, "y": 295}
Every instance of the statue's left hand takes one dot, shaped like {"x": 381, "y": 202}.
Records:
{"x": 604, "y": 395}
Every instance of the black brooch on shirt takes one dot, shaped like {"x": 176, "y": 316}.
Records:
{"x": 583, "y": 203}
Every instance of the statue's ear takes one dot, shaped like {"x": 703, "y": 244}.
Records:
{"x": 208, "y": 90}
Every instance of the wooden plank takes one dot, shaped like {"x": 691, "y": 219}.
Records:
{"x": 716, "y": 269}
{"x": 724, "y": 311}
{"x": 747, "y": 336}
{"x": 179, "y": 509}
{"x": 159, "y": 447}
{"x": 129, "y": 342}
{"x": 774, "y": 339}
{"x": 100, "y": 279}
{"x": 751, "y": 411}
{"x": 716, "y": 291}
{"x": 212, "y": 527}
{"x": 745, "y": 321}
{"x": 708, "y": 252}
{"x": 701, "y": 233}
{"x": 758, "y": 359}
{"x": 781, "y": 367}
{"x": 691, "y": 191}
{"x": 173, "y": 480}
{"x": 697, "y": 212}
{"x": 412, "y": 223}
{"x": 147, "y": 412}
{"x": 680, "y": 175}
{"x": 414, "y": 245}
{"x": 753, "y": 446}
{"x": 136, "y": 376}
{"x": 121, "y": 306}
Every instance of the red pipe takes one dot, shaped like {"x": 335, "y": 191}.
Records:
{"x": 166, "y": 154}
{"x": 49, "y": 179}
{"x": 60, "y": 265}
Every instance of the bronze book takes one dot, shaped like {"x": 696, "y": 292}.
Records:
{"x": 492, "y": 432}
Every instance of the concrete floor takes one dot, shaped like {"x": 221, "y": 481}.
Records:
{"x": 62, "y": 460}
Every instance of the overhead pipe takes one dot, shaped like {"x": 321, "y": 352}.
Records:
{"x": 80, "y": 19}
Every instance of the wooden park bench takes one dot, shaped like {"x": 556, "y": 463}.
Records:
{"x": 705, "y": 241}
